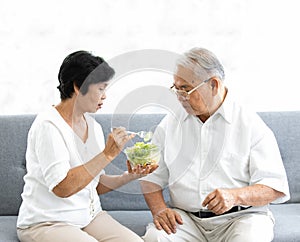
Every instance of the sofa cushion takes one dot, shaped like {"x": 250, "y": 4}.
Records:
{"x": 8, "y": 232}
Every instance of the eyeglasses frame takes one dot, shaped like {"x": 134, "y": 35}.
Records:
{"x": 185, "y": 94}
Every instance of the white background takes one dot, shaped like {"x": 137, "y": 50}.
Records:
{"x": 257, "y": 41}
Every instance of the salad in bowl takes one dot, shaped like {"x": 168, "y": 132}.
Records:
{"x": 143, "y": 154}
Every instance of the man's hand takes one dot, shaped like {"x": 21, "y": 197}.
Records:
{"x": 167, "y": 220}
{"x": 220, "y": 200}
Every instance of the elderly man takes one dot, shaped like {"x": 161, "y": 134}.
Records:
{"x": 220, "y": 162}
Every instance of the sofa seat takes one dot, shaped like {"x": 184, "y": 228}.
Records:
{"x": 284, "y": 231}
{"x": 287, "y": 216}
{"x": 8, "y": 230}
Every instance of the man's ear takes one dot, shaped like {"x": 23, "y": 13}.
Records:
{"x": 214, "y": 83}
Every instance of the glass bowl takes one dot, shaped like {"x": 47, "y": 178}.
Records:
{"x": 143, "y": 154}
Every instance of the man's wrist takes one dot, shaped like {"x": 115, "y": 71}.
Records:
{"x": 158, "y": 211}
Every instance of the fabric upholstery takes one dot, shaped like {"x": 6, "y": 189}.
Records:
{"x": 13, "y": 140}
{"x": 287, "y": 217}
{"x": 286, "y": 127}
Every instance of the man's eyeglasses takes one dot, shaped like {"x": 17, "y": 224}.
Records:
{"x": 185, "y": 94}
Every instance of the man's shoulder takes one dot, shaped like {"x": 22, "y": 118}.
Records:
{"x": 248, "y": 118}
{"x": 176, "y": 115}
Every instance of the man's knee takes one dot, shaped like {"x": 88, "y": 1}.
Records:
{"x": 253, "y": 228}
{"x": 154, "y": 235}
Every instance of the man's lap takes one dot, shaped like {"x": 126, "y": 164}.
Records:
{"x": 236, "y": 227}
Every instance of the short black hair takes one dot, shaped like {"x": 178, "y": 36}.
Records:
{"x": 82, "y": 69}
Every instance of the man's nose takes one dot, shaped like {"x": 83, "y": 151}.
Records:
{"x": 182, "y": 98}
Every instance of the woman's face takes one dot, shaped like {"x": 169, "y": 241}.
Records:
{"x": 92, "y": 101}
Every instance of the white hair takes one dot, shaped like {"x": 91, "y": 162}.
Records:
{"x": 203, "y": 62}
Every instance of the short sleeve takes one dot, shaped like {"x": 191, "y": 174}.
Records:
{"x": 161, "y": 175}
{"x": 266, "y": 166}
{"x": 52, "y": 154}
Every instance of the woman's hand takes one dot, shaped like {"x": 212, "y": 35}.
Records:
{"x": 139, "y": 170}
{"x": 115, "y": 142}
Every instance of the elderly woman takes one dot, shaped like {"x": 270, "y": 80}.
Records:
{"x": 66, "y": 155}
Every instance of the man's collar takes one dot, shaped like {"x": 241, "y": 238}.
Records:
{"x": 225, "y": 110}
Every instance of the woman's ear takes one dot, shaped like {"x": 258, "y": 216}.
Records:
{"x": 76, "y": 89}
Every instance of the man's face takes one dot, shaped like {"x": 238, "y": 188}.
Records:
{"x": 199, "y": 101}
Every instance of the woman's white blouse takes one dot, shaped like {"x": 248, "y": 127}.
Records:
{"x": 52, "y": 150}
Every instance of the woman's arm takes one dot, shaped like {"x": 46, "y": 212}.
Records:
{"x": 108, "y": 182}
{"x": 79, "y": 177}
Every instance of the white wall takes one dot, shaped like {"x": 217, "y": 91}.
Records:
{"x": 257, "y": 41}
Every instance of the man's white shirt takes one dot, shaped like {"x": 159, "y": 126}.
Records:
{"x": 234, "y": 148}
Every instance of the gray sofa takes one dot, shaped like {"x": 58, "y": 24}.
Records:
{"x": 127, "y": 204}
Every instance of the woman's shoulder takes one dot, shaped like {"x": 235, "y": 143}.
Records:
{"x": 47, "y": 119}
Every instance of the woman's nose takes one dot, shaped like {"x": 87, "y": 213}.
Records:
{"x": 103, "y": 96}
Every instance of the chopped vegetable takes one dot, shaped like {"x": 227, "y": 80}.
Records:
{"x": 148, "y": 136}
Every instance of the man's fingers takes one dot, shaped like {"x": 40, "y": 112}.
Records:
{"x": 172, "y": 220}
{"x": 157, "y": 224}
{"x": 161, "y": 224}
{"x": 178, "y": 218}
{"x": 167, "y": 220}
{"x": 213, "y": 204}
{"x": 207, "y": 200}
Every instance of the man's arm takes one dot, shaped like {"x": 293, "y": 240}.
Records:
{"x": 163, "y": 217}
{"x": 221, "y": 200}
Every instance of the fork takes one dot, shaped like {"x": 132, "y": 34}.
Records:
{"x": 143, "y": 134}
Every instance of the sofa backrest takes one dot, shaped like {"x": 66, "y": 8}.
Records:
{"x": 286, "y": 128}
{"x": 13, "y": 139}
